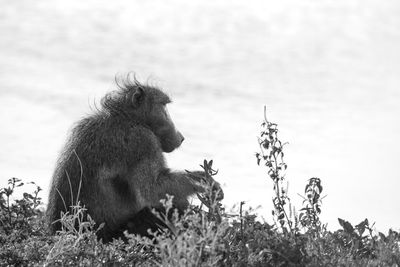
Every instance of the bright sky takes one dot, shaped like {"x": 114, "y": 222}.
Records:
{"x": 328, "y": 72}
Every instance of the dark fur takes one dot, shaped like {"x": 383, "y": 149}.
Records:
{"x": 113, "y": 163}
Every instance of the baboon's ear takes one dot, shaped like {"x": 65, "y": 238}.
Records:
{"x": 137, "y": 97}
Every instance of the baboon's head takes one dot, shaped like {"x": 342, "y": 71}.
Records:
{"x": 148, "y": 106}
{"x": 154, "y": 103}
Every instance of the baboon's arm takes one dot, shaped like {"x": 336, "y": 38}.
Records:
{"x": 178, "y": 183}
{"x": 150, "y": 183}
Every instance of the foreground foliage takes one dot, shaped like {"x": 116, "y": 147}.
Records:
{"x": 198, "y": 238}
{"x": 204, "y": 235}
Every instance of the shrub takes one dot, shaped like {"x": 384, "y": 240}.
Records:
{"x": 22, "y": 230}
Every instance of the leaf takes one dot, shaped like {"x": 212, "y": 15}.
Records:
{"x": 27, "y": 196}
{"x": 362, "y": 226}
{"x": 306, "y": 188}
{"x": 8, "y": 191}
{"x": 318, "y": 209}
{"x": 347, "y": 227}
{"x": 265, "y": 144}
{"x": 383, "y": 237}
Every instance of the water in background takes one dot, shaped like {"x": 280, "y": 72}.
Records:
{"x": 328, "y": 72}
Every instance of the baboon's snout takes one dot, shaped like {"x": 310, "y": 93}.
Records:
{"x": 181, "y": 137}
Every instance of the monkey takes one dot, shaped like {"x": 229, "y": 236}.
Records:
{"x": 113, "y": 163}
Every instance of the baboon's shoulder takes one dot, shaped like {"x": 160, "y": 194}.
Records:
{"x": 126, "y": 137}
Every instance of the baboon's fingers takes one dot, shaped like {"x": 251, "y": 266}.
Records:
{"x": 202, "y": 176}
{"x": 197, "y": 175}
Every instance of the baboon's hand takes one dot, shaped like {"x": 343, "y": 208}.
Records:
{"x": 207, "y": 183}
{"x": 198, "y": 176}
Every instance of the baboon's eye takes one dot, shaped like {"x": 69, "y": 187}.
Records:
{"x": 166, "y": 112}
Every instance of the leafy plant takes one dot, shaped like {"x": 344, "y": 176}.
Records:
{"x": 210, "y": 197}
{"x": 17, "y": 215}
{"x": 309, "y": 214}
{"x": 272, "y": 156}
{"x": 22, "y": 227}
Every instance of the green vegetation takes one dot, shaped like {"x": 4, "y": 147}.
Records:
{"x": 204, "y": 235}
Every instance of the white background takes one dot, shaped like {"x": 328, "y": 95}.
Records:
{"x": 328, "y": 72}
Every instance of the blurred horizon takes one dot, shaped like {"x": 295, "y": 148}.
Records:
{"x": 328, "y": 72}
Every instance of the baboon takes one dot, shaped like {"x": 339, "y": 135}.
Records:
{"x": 113, "y": 163}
